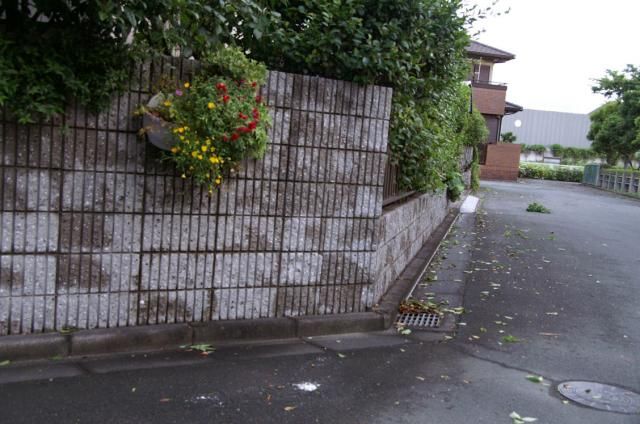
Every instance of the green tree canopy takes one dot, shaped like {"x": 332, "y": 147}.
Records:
{"x": 615, "y": 127}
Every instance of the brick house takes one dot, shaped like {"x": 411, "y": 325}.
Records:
{"x": 498, "y": 161}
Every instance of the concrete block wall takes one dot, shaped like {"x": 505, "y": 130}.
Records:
{"x": 97, "y": 232}
{"x": 402, "y": 230}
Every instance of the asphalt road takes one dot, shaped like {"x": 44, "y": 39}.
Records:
{"x": 564, "y": 285}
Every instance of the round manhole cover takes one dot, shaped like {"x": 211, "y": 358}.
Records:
{"x": 601, "y": 396}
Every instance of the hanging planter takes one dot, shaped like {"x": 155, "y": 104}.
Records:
{"x": 157, "y": 130}
{"x": 210, "y": 124}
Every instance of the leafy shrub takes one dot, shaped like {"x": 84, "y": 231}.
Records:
{"x": 551, "y": 172}
{"x": 537, "y": 207}
{"x": 536, "y": 148}
{"x": 508, "y": 137}
{"x": 415, "y": 46}
{"x": 557, "y": 150}
{"x": 217, "y": 119}
{"x": 52, "y": 52}
{"x": 455, "y": 186}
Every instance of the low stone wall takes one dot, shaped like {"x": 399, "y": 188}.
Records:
{"x": 97, "y": 232}
{"x": 402, "y": 230}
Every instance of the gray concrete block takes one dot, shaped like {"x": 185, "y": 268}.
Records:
{"x": 130, "y": 339}
{"x": 33, "y": 346}
{"x": 255, "y": 329}
{"x": 347, "y": 323}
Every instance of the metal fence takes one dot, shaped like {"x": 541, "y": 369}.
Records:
{"x": 391, "y": 191}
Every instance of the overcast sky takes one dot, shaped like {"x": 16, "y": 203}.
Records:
{"x": 561, "y": 46}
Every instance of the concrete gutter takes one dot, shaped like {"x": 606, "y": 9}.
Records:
{"x": 171, "y": 336}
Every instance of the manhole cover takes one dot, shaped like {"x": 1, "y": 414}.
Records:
{"x": 601, "y": 396}
{"x": 419, "y": 320}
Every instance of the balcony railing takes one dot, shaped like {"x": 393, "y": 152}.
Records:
{"x": 391, "y": 192}
{"x": 489, "y": 84}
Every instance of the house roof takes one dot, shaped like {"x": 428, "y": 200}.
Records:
{"x": 477, "y": 49}
{"x": 511, "y": 108}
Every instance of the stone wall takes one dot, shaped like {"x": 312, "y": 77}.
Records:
{"x": 402, "y": 230}
{"x": 97, "y": 232}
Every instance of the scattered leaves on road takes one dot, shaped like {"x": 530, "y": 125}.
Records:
{"x": 535, "y": 378}
{"x": 517, "y": 419}
{"x": 510, "y": 339}
{"x": 537, "y": 207}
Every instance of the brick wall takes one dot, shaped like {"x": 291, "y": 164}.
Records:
{"x": 489, "y": 101}
{"x": 502, "y": 162}
{"x": 97, "y": 232}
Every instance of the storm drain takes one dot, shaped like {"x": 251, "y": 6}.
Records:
{"x": 601, "y": 396}
{"x": 418, "y": 320}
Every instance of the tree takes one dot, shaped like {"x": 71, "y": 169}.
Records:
{"x": 508, "y": 137}
{"x": 615, "y": 127}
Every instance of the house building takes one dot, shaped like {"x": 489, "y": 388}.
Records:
{"x": 489, "y": 97}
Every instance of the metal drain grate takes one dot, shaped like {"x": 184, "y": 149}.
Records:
{"x": 419, "y": 320}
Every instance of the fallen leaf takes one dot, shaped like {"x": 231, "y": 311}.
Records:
{"x": 420, "y": 378}
{"x": 289, "y": 408}
{"x": 164, "y": 400}
{"x": 535, "y": 378}
{"x": 341, "y": 355}
{"x": 5, "y": 363}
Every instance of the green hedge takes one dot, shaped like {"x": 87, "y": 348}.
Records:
{"x": 537, "y": 148}
{"x": 551, "y": 172}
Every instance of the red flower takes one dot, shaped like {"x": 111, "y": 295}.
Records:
{"x": 221, "y": 86}
{"x": 256, "y": 114}
{"x": 258, "y": 99}
{"x": 242, "y": 116}
{"x": 225, "y": 138}
{"x": 225, "y": 98}
{"x": 252, "y": 125}
{"x": 253, "y": 84}
{"x": 235, "y": 136}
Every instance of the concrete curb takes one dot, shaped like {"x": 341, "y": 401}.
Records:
{"x": 171, "y": 336}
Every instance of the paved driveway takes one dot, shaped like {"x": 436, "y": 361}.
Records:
{"x": 565, "y": 286}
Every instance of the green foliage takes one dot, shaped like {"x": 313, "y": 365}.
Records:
{"x": 416, "y": 46}
{"x": 536, "y": 148}
{"x": 455, "y": 185}
{"x": 217, "y": 120}
{"x": 53, "y": 51}
{"x": 551, "y": 172}
{"x": 557, "y": 150}
{"x": 475, "y": 129}
{"x": 508, "y": 137}
{"x": 475, "y": 176}
{"x": 537, "y": 207}
{"x": 615, "y": 127}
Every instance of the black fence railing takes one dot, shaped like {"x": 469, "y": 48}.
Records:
{"x": 391, "y": 192}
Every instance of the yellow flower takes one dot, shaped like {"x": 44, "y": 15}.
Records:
{"x": 208, "y": 141}
{"x": 204, "y": 148}
{"x": 213, "y": 159}
{"x": 218, "y": 180}
{"x": 167, "y": 103}
{"x": 200, "y": 157}
{"x": 183, "y": 176}
{"x": 181, "y": 130}
{"x": 181, "y": 138}
{"x": 194, "y": 154}
{"x": 174, "y": 149}
{"x": 211, "y": 105}
{"x": 187, "y": 85}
